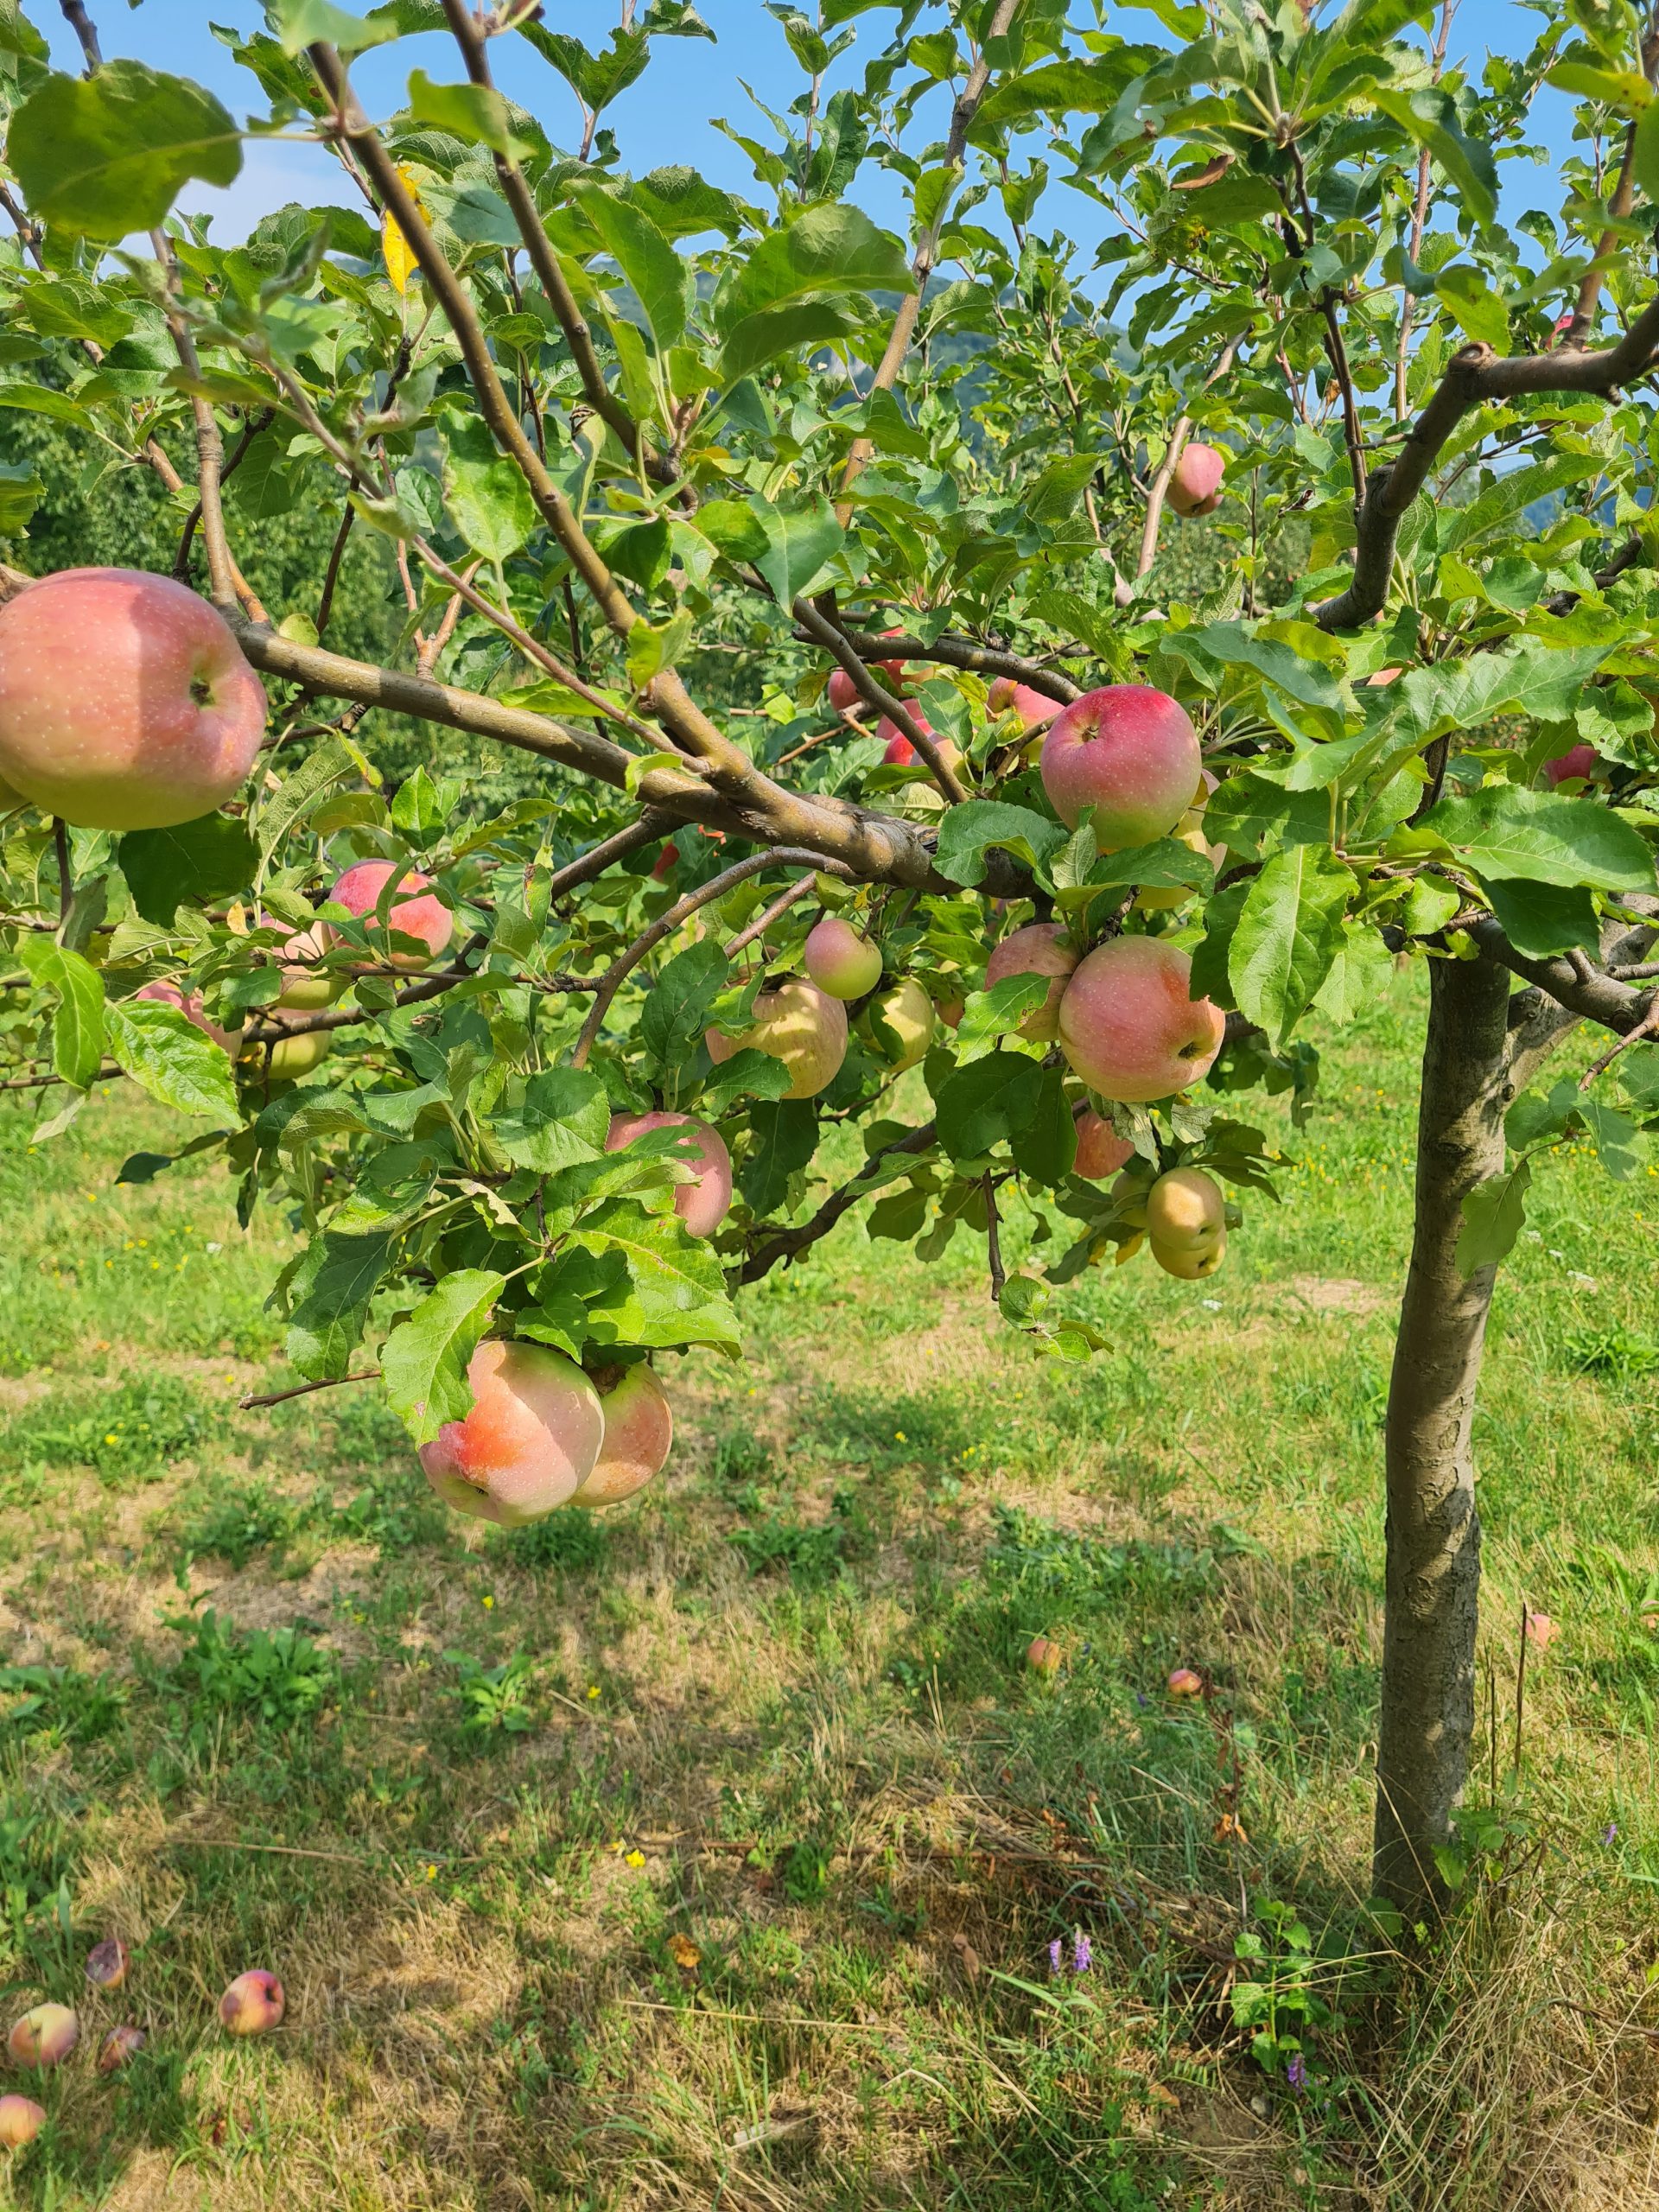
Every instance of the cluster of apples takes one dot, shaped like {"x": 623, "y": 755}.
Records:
{"x": 49, "y": 2034}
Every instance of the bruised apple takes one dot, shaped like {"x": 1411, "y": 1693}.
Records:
{"x": 1195, "y": 486}
{"x": 254, "y": 2003}
{"x": 841, "y": 961}
{"x": 1100, "y": 1151}
{"x": 1129, "y": 1025}
{"x": 1185, "y": 1212}
{"x": 639, "y": 1431}
{"x": 1125, "y": 758}
{"x": 124, "y": 700}
{"x": 423, "y": 917}
{"x": 530, "y": 1441}
{"x": 799, "y": 1025}
{"x": 702, "y": 1206}
{"x": 1039, "y": 949}
{"x": 905, "y": 1015}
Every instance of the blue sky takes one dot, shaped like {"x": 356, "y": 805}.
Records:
{"x": 664, "y": 117}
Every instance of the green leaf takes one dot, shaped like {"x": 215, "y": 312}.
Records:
{"x": 675, "y": 1287}
{"x": 210, "y": 858}
{"x": 980, "y": 1105}
{"x": 488, "y": 499}
{"x": 969, "y": 831}
{"x": 1621, "y": 1146}
{"x": 676, "y": 1012}
{"x": 799, "y": 326}
{"x": 108, "y": 153}
{"x": 747, "y": 1074}
{"x": 1360, "y": 974}
{"x": 1474, "y": 305}
{"x": 1289, "y": 933}
{"x": 171, "y": 1059}
{"x": 1516, "y": 491}
{"x": 783, "y": 1137}
{"x": 336, "y": 1280}
{"x": 799, "y": 540}
{"x": 424, "y": 1360}
{"x": 1647, "y": 152}
{"x": 1494, "y": 1214}
{"x": 21, "y": 493}
{"x": 828, "y": 249}
{"x": 300, "y": 23}
{"x": 1430, "y": 118}
{"x": 999, "y": 1011}
{"x": 1220, "y": 647}
{"x": 1045, "y": 1145}
{"x": 1541, "y": 919}
{"x": 660, "y": 279}
{"x": 565, "y": 1118}
{"x": 467, "y": 111}
{"x": 1504, "y": 829}
{"x": 78, "y": 1026}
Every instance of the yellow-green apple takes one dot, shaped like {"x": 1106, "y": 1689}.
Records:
{"x": 1129, "y": 1025}
{"x": 189, "y": 1003}
{"x": 799, "y": 1025}
{"x": 1100, "y": 1151}
{"x": 702, "y": 1206}
{"x": 1124, "y": 758}
{"x": 1195, "y": 486}
{"x": 124, "y": 700}
{"x": 638, "y": 1433}
{"x": 1035, "y": 709}
{"x": 253, "y": 2004}
{"x": 1129, "y": 1194}
{"x": 44, "y": 2037}
{"x": 1582, "y": 760}
{"x": 530, "y": 1441}
{"x": 290, "y": 1056}
{"x": 1191, "y": 1266}
{"x": 906, "y": 1011}
{"x": 119, "y": 2048}
{"x": 1039, "y": 949}
{"x": 20, "y": 2121}
{"x": 1185, "y": 1212}
{"x": 306, "y": 986}
{"x": 1044, "y": 1656}
{"x": 106, "y": 1963}
{"x": 420, "y": 917}
{"x": 1184, "y": 1682}
{"x": 840, "y": 961}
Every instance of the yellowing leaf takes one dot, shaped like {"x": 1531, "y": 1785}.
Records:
{"x": 400, "y": 262}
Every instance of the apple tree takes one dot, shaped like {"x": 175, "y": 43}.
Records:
{"x": 887, "y": 702}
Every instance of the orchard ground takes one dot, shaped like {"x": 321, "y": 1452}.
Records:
{"x": 711, "y": 1852}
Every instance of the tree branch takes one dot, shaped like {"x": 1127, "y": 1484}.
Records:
{"x": 962, "y": 652}
{"x": 827, "y": 634}
{"x": 790, "y": 1244}
{"x": 764, "y": 920}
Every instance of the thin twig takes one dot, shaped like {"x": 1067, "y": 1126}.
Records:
{"x": 304, "y": 1389}
{"x": 764, "y": 920}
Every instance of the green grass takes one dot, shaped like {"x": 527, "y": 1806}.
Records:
{"x": 710, "y": 1852}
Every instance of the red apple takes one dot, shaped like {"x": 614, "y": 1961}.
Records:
{"x": 1100, "y": 1151}
{"x": 950, "y": 1011}
{"x": 530, "y": 1441}
{"x": 1039, "y": 949}
{"x": 163, "y": 993}
{"x": 1044, "y": 1656}
{"x": 1129, "y": 1026}
{"x": 124, "y": 700}
{"x": 702, "y": 1206}
{"x": 44, "y": 2037}
{"x": 1125, "y": 758}
{"x": 840, "y": 961}
{"x": 1195, "y": 487}
{"x": 426, "y": 918}
{"x": 253, "y": 2004}
{"x": 1035, "y": 709}
{"x": 1582, "y": 760}
{"x": 119, "y": 2048}
{"x": 20, "y": 2121}
{"x": 843, "y": 692}
{"x": 639, "y": 1432}
{"x": 799, "y": 1025}
{"x": 901, "y": 752}
{"x": 1184, "y": 1682}
{"x": 667, "y": 860}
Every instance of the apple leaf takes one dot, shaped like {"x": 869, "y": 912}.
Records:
{"x": 171, "y": 1058}
{"x": 335, "y": 1281}
{"x": 425, "y": 1358}
{"x": 988, "y": 1100}
{"x": 1289, "y": 933}
{"x": 107, "y": 155}
{"x": 486, "y": 496}
{"x": 783, "y": 1136}
{"x": 565, "y": 1118}
{"x": 672, "y": 1290}
{"x": 78, "y": 1026}
{"x": 188, "y": 865}
{"x": 1504, "y": 829}
{"x": 1494, "y": 1214}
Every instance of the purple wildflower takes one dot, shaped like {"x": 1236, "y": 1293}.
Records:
{"x": 1610, "y": 1834}
{"x": 1296, "y": 2072}
{"x": 1054, "y": 1956}
{"x": 1081, "y": 1956}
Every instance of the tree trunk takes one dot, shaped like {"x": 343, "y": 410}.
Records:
{"x": 1433, "y": 1529}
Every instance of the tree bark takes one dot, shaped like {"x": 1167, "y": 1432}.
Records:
{"x": 1433, "y": 1527}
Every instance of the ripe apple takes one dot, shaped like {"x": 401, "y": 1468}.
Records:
{"x": 1129, "y": 1194}
{"x": 20, "y": 2121}
{"x": 901, "y": 752}
{"x": 840, "y": 961}
{"x": 1039, "y": 949}
{"x": 119, "y": 2048}
{"x": 667, "y": 860}
{"x": 163, "y": 993}
{"x": 1191, "y": 1266}
{"x": 702, "y": 1206}
{"x": 1124, "y": 758}
{"x": 253, "y": 2004}
{"x": 908, "y": 1011}
{"x": 1129, "y": 1025}
{"x": 530, "y": 1441}
{"x": 124, "y": 700}
{"x": 1184, "y": 1682}
{"x": 950, "y": 1011}
{"x": 426, "y": 918}
{"x": 1044, "y": 1656}
{"x": 799, "y": 1025}
{"x": 1035, "y": 709}
{"x": 639, "y": 1432}
{"x": 1582, "y": 760}
{"x": 1195, "y": 487}
{"x": 1100, "y": 1151}
{"x": 306, "y": 988}
{"x": 44, "y": 2037}
{"x": 1185, "y": 1212}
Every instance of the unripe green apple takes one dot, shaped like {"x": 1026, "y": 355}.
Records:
{"x": 908, "y": 1011}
